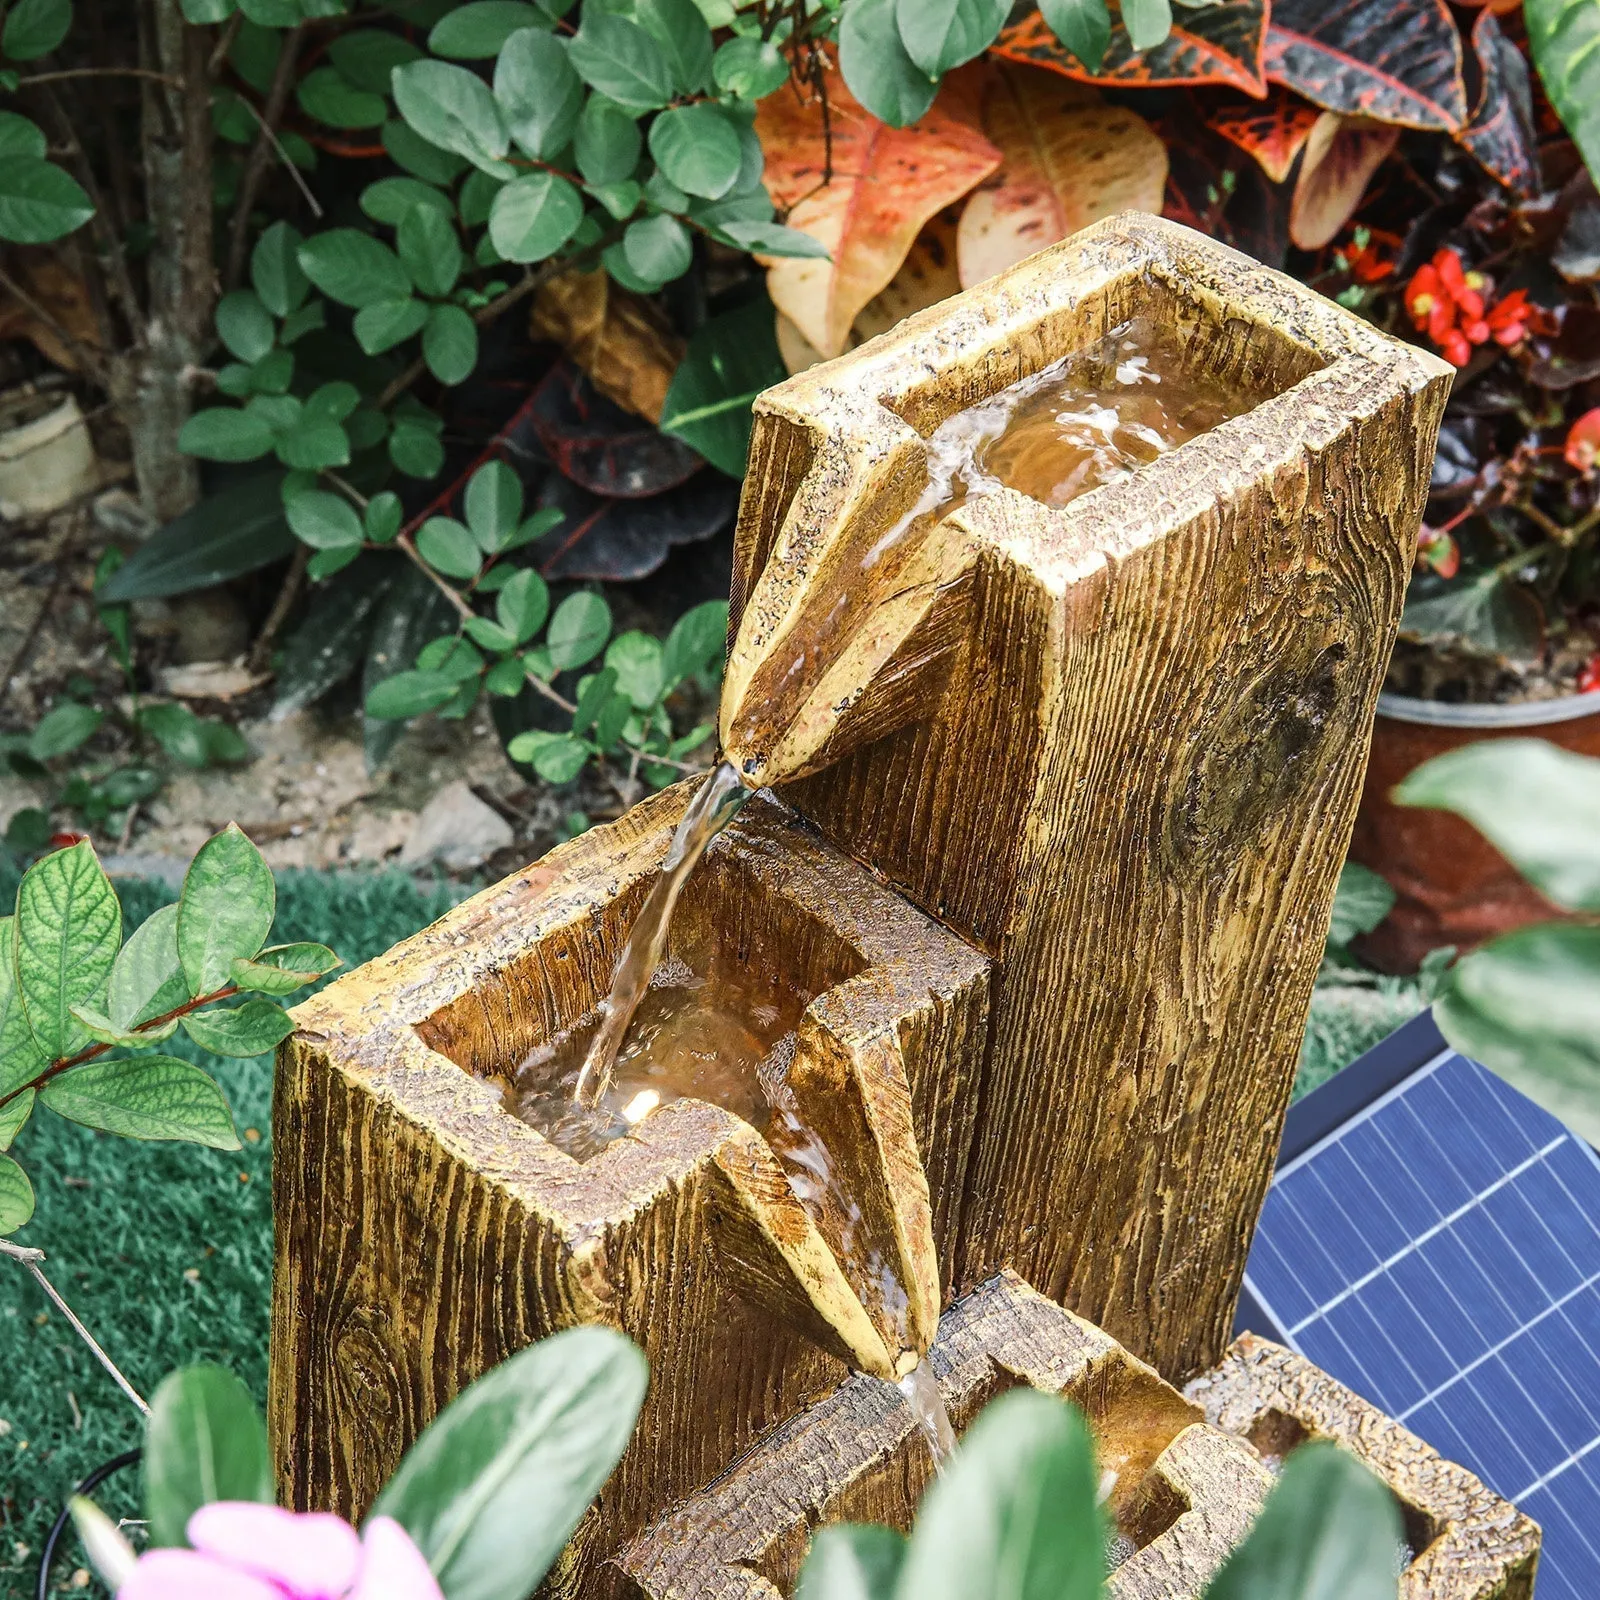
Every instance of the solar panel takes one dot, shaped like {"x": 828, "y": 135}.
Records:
{"x": 1432, "y": 1240}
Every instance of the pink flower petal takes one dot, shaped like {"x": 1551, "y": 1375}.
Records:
{"x": 313, "y": 1555}
{"x": 392, "y": 1567}
{"x": 188, "y": 1575}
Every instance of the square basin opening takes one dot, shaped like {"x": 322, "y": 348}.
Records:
{"x": 741, "y": 966}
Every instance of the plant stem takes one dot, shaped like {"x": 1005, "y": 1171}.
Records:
{"x": 261, "y": 153}
{"x": 98, "y": 72}
{"x": 30, "y": 1258}
{"x": 261, "y": 650}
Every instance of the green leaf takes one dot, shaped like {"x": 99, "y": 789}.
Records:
{"x": 415, "y": 448}
{"x": 658, "y": 248}
{"x": 413, "y": 154}
{"x": 453, "y": 108}
{"x": 730, "y": 360}
{"x": 622, "y": 60}
{"x": 505, "y": 678}
{"x": 368, "y": 57}
{"x": 1527, "y": 1005}
{"x": 772, "y": 239}
{"x": 852, "y": 1561}
{"x": 450, "y": 344}
{"x": 13, "y": 1114}
{"x": 539, "y": 93}
{"x": 876, "y": 68}
{"x": 226, "y": 909}
{"x": 225, "y": 433}
{"x": 493, "y": 505}
{"x": 205, "y": 1441}
{"x": 1083, "y": 26}
{"x": 448, "y": 547}
{"x": 556, "y": 757}
{"x": 382, "y": 326}
{"x": 679, "y": 27}
{"x": 283, "y": 968}
{"x": 534, "y": 216}
{"x": 16, "y": 1196}
{"x": 489, "y": 634}
{"x": 184, "y": 736}
{"x": 275, "y": 270}
{"x": 20, "y": 137}
{"x": 144, "y": 1097}
{"x": 698, "y": 148}
{"x": 354, "y": 268}
{"x": 523, "y": 604}
{"x": 248, "y": 1030}
{"x": 696, "y": 642}
{"x": 62, "y": 729}
{"x": 20, "y": 1056}
{"x": 635, "y": 659}
{"x": 1328, "y": 1531}
{"x": 203, "y": 11}
{"x": 1015, "y": 1516}
{"x": 1148, "y": 22}
{"x": 328, "y": 97}
{"x": 578, "y": 630}
{"x": 941, "y": 34}
{"x": 99, "y": 1026}
{"x": 1565, "y": 42}
{"x": 391, "y": 200}
{"x": 409, "y": 694}
{"x": 68, "y": 930}
{"x": 592, "y": 697}
{"x": 147, "y": 978}
{"x": 1537, "y": 804}
{"x": 39, "y": 202}
{"x": 35, "y": 27}
{"x": 494, "y": 1487}
{"x": 429, "y": 249}
{"x": 749, "y": 68}
{"x": 382, "y": 517}
{"x": 608, "y": 142}
{"x": 480, "y": 29}
{"x": 322, "y": 520}
{"x": 1362, "y": 900}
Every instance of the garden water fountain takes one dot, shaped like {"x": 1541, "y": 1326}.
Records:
{"x": 1025, "y": 938}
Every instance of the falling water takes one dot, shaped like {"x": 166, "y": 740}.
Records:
{"x": 921, "y": 1389}
{"x": 711, "y": 810}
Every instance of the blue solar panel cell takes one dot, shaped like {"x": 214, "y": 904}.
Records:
{"x": 1440, "y": 1254}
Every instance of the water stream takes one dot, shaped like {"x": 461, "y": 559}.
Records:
{"x": 921, "y": 1389}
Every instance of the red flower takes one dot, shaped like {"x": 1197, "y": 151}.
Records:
{"x": 1589, "y": 678}
{"x": 1583, "y": 442}
{"x": 1451, "y": 305}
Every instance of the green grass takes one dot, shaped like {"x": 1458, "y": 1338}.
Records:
{"x": 164, "y": 1250}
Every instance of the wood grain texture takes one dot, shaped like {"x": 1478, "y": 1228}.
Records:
{"x": 1468, "y": 1543}
{"x": 424, "y": 1234}
{"x": 1185, "y": 1493}
{"x": 1133, "y": 780}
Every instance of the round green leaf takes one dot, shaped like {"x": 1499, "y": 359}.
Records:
{"x": 494, "y": 1487}
{"x": 39, "y": 202}
{"x": 696, "y": 642}
{"x": 1083, "y": 26}
{"x": 450, "y": 344}
{"x": 534, "y": 216}
{"x": 368, "y": 56}
{"x": 578, "y": 630}
{"x": 390, "y": 200}
{"x": 1148, "y": 22}
{"x": 429, "y": 249}
{"x": 409, "y": 694}
{"x": 20, "y": 137}
{"x": 16, "y": 1196}
{"x": 63, "y": 728}
{"x": 382, "y": 517}
{"x": 539, "y": 93}
{"x": 941, "y": 34}
{"x": 851, "y": 1561}
{"x": 205, "y": 1441}
{"x": 622, "y": 61}
{"x": 415, "y": 448}
{"x": 607, "y": 143}
{"x": 876, "y": 68}
{"x": 679, "y": 27}
{"x": 14, "y": 1113}
{"x": 245, "y": 325}
{"x": 328, "y": 97}
{"x": 493, "y": 505}
{"x": 481, "y": 28}
{"x": 20, "y": 1055}
{"x": 697, "y": 147}
{"x": 322, "y": 520}
{"x": 68, "y": 930}
{"x": 657, "y": 248}
{"x": 382, "y": 326}
{"x": 283, "y": 968}
{"x": 523, "y": 604}
{"x": 248, "y": 1030}
{"x": 145, "y": 1097}
{"x": 556, "y": 757}
{"x": 222, "y": 433}
{"x": 225, "y": 911}
{"x": 636, "y": 660}
{"x": 412, "y": 153}
{"x": 452, "y": 108}
{"x": 750, "y": 69}
{"x": 353, "y": 268}
{"x": 147, "y": 977}
{"x": 448, "y": 547}
{"x": 275, "y": 270}
{"x": 35, "y": 27}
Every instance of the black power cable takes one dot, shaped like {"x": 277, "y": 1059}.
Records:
{"x": 47, "y": 1558}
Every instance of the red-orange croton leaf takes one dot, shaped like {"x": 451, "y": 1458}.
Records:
{"x": 1274, "y": 132}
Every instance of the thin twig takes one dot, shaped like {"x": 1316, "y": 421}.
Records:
{"x": 288, "y": 592}
{"x": 219, "y": 56}
{"x": 97, "y": 72}
{"x": 261, "y": 153}
{"x": 30, "y": 1258}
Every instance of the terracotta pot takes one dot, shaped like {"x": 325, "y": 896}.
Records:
{"x": 1452, "y": 885}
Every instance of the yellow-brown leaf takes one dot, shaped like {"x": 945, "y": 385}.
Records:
{"x": 1340, "y": 157}
{"x": 886, "y": 182}
{"x": 1068, "y": 162}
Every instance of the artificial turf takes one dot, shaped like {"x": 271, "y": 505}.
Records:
{"x": 165, "y": 1250}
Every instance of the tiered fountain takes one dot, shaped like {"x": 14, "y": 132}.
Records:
{"x": 977, "y": 1026}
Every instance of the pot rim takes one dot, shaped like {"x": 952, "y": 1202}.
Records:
{"x": 1523, "y": 714}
